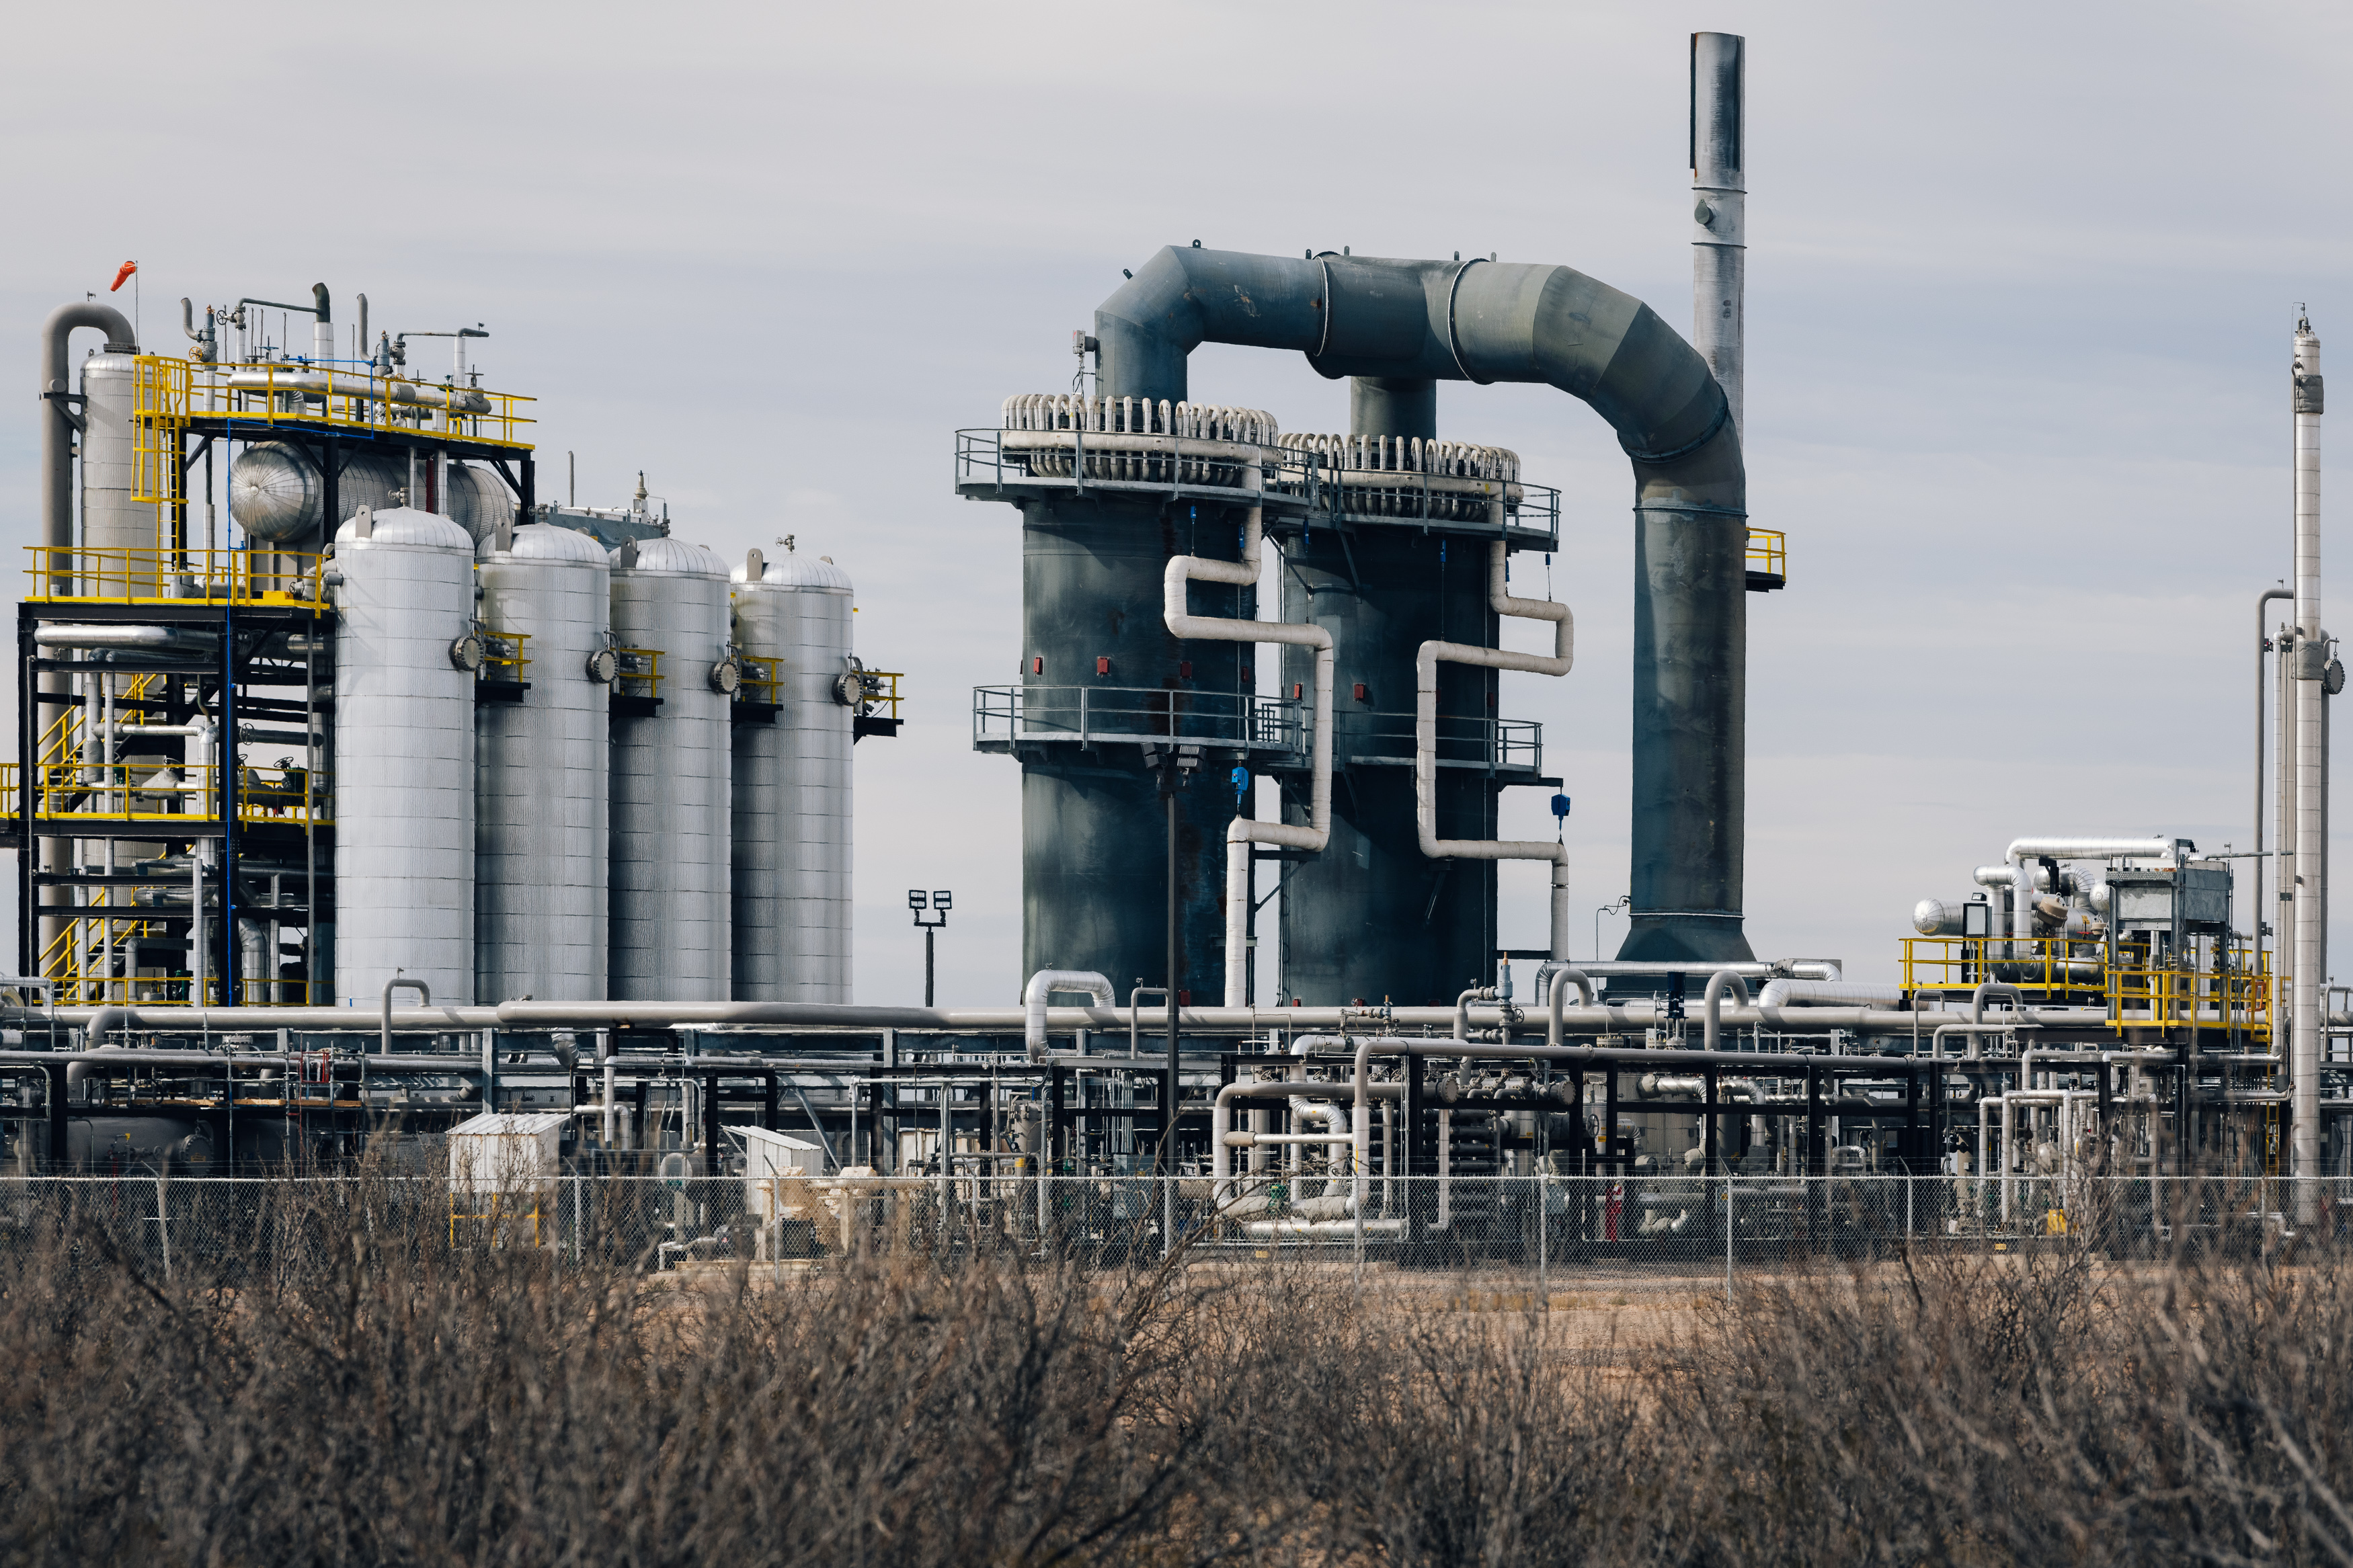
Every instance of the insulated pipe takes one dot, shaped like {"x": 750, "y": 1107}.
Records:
{"x": 1033, "y": 1001}
{"x": 2024, "y": 852}
{"x": 1222, "y": 1121}
{"x": 1723, "y": 979}
{"x": 2263, "y": 645}
{"x": 1486, "y": 321}
{"x": 423, "y": 999}
{"x": 144, "y": 639}
{"x": 1425, "y": 736}
{"x": 2311, "y": 785}
{"x": 1782, "y": 992}
{"x": 1243, "y": 831}
{"x": 2016, "y": 998}
{"x": 322, "y": 330}
{"x": 813, "y": 1016}
{"x": 348, "y": 383}
{"x": 53, "y": 385}
{"x": 1553, "y": 1001}
{"x": 1462, "y": 1009}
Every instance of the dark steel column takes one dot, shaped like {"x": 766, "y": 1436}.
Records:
{"x": 1091, "y": 818}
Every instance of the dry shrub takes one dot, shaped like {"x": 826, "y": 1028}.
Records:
{"x": 339, "y": 1391}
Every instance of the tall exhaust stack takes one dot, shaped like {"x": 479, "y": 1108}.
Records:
{"x": 2311, "y": 864}
{"x": 1719, "y": 137}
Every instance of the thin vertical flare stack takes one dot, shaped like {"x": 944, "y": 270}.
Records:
{"x": 2311, "y": 867}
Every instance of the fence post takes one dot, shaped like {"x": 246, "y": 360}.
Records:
{"x": 1727, "y": 1235}
{"x": 1544, "y": 1260}
{"x": 1909, "y": 1181}
{"x": 579, "y": 1221}
{"x": 163, "y": 1224}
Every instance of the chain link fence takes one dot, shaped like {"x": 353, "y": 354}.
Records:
{"x": 1526, "y": 1229}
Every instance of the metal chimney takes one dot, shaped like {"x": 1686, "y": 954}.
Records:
{"x": 1719, "y": 138}
{"x": 2310, "y": 866}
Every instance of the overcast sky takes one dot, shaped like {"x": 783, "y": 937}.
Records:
{"x": 2021, "y": 278}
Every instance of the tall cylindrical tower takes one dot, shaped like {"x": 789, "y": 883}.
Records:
{"x": 1113, "y": 718}
{"x": 404, "y": 754}
{"x": 2311, "y": 871}
{"x": 543, "y": 820}
{"x": 1404, "y": 562}
{"x": 791, "y": 819}
{"x": 671, "y": 778}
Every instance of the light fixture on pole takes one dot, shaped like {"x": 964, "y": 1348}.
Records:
{"x": 940, "y": 903}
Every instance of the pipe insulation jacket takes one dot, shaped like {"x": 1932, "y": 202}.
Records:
{"x": 1244, "y": 831}
{"x": 1425, "y": 737}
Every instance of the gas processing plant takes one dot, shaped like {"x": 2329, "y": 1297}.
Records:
{"x": 402, "y": 795}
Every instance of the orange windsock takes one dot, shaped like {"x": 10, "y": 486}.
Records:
{"x": 122, "y": 276}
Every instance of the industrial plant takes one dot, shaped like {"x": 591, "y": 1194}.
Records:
{"x": 398, "y": 800}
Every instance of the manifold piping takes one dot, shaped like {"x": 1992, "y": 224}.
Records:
{"x": 1425, "y": 736}
{"x": 1244, "y": 831}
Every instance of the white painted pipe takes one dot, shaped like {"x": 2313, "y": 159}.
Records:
{"x": 1425, "y": 735}
{"x": 315, "y": 384}
{"x": 1712, "y": 1002}
{"x": 1245, "y": 831}
{"x": 1786, "y": 993}
{"x": 1047, "y": 980}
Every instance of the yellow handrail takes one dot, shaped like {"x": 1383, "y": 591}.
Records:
{"x": 1769, "y": 551}
{"x": 759, "y": 682}
{"x": 640, "y": 672}
{"x": 168, "y": 394}
{"x": 141, "y": 576}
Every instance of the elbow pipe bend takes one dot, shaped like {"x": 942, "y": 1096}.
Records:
{"x": 1553, "y": 1001}
{"x": 1720, "y": 981}
{"x": 2016, "y": 998}
{"x": 55, "y": 371}
{"x": 399, "y": 983}
{"x": 1474, "y": 321}
{"x": 1047, "y": 981}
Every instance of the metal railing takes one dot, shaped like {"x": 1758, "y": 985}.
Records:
{"x": 1768, "y": 553}
{"x": 759, "y": 682}
{"x": 168, "y": 394}
{"x": 173, "y": 793}
{"x": 172, "y": 574}
{"x": 1290, "y": 478}
{"x": 637, "y": 673}
{"x": 1008, "y": 716}
{"x": 1463, "y": 740}
{"x": 2235, "y": 995}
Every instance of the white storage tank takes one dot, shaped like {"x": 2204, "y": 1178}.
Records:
{"x": 670, "y": 778}
{"x": 541, "y": 824}
{"x": 403, "y": 756}
{"x": 793, "y": 784}
{"x": 112, "y": 522}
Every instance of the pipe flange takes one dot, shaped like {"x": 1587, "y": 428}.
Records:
{"x": 726, "y": 676}
{"x": 466, "y": 652}
{"x": 603, "y": 665}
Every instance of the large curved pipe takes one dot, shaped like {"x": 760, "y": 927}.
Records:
{"x": 1046, "y": 981}
{"x": 1487, "y": 322}
{"x": 1553, "y": 997}
{"x": 56, "y": 429}
{"x": 1722, "y": 980}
